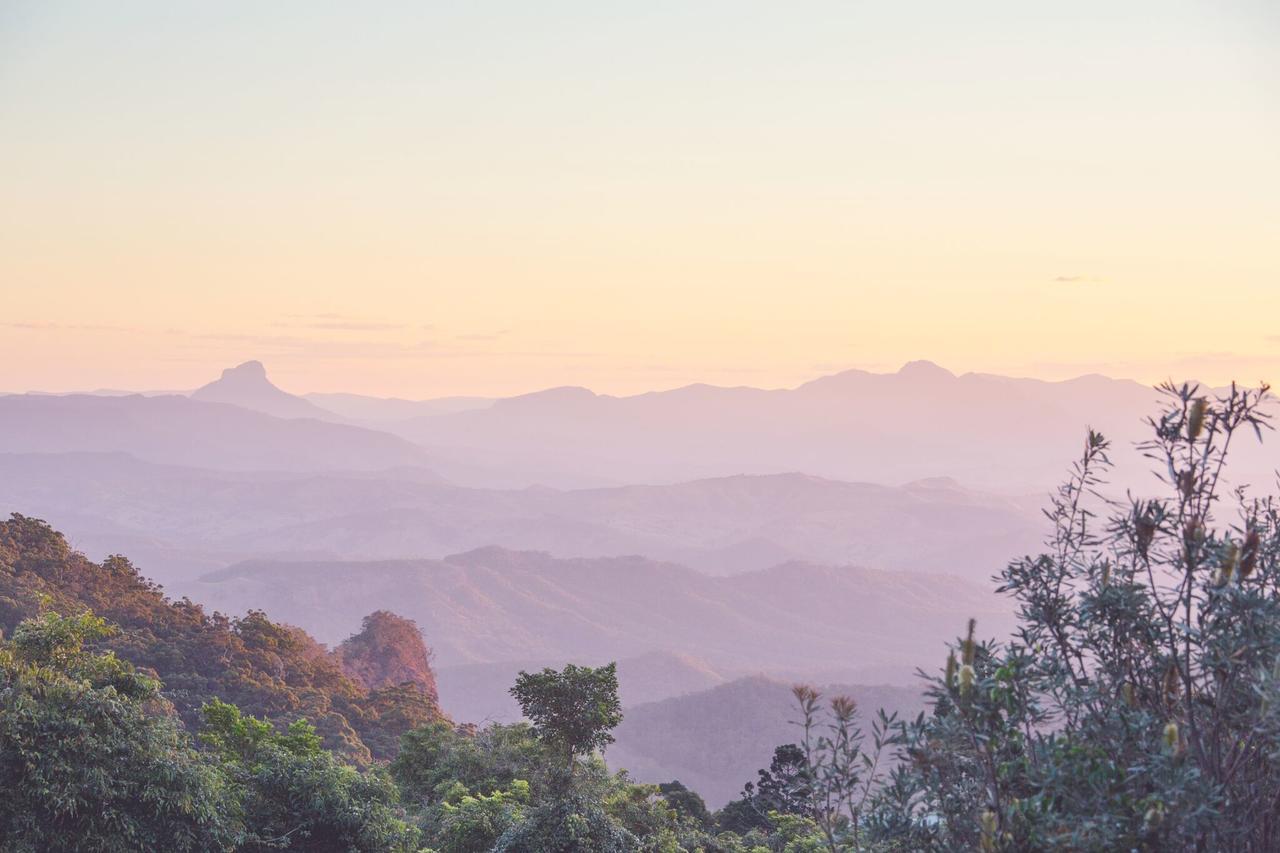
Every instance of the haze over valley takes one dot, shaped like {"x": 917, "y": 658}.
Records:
{"x": 707, "y": 539}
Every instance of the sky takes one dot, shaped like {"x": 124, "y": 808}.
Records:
{"x": 424, "y": 199}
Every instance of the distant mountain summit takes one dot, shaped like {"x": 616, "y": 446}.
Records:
{"x": 197, "y": 433}
{"x": 246, "y": 385}
{"x": 925, "y": 370}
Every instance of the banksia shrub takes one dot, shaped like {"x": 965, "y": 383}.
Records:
{"x": 1137, "y": 706}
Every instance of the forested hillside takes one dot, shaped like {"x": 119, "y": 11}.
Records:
{"x": 267, "y": 668}
{"x": 131, "y": 722}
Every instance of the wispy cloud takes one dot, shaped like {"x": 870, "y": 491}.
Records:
{"x": 1075, "y": 279}
{"x": 291, "y": 346}
{"x": 869, "y": 366}
{"x": 484, "y": 336}
{"x": 1178, "y": 366}
{"x": 335, "y": 323}
{"x": 37, "y": 326}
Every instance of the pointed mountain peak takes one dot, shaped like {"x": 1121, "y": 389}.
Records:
{"x": 246, "y": 385}
{"x": 925, "y": 370}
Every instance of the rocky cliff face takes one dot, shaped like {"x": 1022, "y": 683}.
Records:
{"x": 387, "y": 652}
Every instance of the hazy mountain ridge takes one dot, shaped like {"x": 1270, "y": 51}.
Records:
{"x": 493, "y": 605}
{"x": 369, "y": 410}
{"x": 715, "y": 740}
{"x": 922, "y": 421}
{"x": 993, "y": 432}
{"x": 180, "y": 431}
{"x": 113, "y": 502}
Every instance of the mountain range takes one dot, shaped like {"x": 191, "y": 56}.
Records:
{"x": 987, "y": 431}
{"x": 718, "y": 543}
{"x": 990, "y": 432}
{"x": 180, "y": 521}
{"x": 178, "y": 430}
{"x": 495, "y": 605}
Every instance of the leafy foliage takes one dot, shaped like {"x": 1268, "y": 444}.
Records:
{"x": 786, "y": 786}
{"x": 89, "y": 760}
{"x": 572, "y": 710}
{"x": 270, "y": 670}
{"x": 1136, "y": 706}
{"x": 839, "y": 773}
{"x": 294, "y": 794}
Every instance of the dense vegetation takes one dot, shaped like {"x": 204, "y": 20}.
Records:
{"x": 131, "y": 722}
{"x": 267, "y": 669}
{"x": 1137, "y": 708}
{"x": 93, "y": 757}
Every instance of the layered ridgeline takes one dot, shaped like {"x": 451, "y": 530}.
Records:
{"x": 178, "y": 430}
{"x": 361, "y": 700}
{"x": 492, "y": 605}
{"x": 921, "y": 421}
{"x": 179, "y": 522}
{"x": 994, "y": 433}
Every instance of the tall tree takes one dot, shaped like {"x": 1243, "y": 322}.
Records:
{"x": 573, "y": 710}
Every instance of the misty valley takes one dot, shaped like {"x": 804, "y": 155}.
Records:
{"x": 730, "y": 645}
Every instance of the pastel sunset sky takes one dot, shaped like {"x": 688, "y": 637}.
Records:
{"x": 420, "y": 199}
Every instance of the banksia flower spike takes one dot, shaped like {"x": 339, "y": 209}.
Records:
{"x": 1187, "y": 483}
{"x": 966, "y": 679}
{"x": 988, "y": 822}
{"x": 951, "y": 670}
{"x": 1172, "y": 738}
{"x": 969, "y": 649}
{"x": 1195, "y": 418}
{"x": 1230, "y": 562}
{"x": 1144, "y": 531}
{"x": 844, "y": 708}
{"x": 1172, "y": 681}
{"x": 1126, "y": 693}
{"x": 1249, "y": 553}
{"x": 805, "y": 695}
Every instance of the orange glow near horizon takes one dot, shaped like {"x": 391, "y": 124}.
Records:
{"x": 423, "y": 203}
